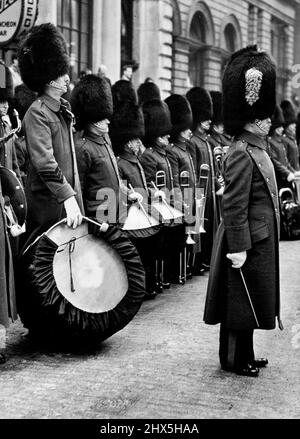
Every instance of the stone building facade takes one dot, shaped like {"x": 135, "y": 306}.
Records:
{"x": 178, "y": 43}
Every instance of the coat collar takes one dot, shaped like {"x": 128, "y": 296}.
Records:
{"x": 254, "y": 140}
{"x": 161, "y": 150}
{"x": 129, "y": 157}
{"x": 100, "y": 139}
{"x": 181, "y": 144}
{"x": 200, "y": 134}
{"x": 53, "y": 104}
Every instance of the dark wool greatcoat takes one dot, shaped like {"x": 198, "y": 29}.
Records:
{"x": 50, "y": 177}
{"x": 250, "y": 223}
{"x": 132, "y": 173}
{"x": 7, "y": 285}
{"x": 292, "y": 151}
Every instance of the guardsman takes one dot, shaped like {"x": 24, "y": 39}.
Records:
{"x": 126, "y": 131}
{"x": 158, "y": 170}
{"x": 102, "y": 188}
{"x": 289, "y": 137}
{"x": 183, "y": 169}
{"x": 243, "y": 287}
{"x": 201, "y": 104}
{"x": 283, "y": 168}
{"x": 52, "y": 184}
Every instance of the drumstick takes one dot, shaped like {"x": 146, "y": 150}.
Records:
{"x": 162, "y": 199}
{"x": 141, "y": 206}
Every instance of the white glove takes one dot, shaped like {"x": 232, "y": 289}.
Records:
{"x": 220, "y": 191}
{"x": 74, "y": 216}
{"x": 290, "y": 177}
{"x": 238, "y": 259}
{"x": 160, "y": 194}
{"x": 297, "y": 174}
{"x": 135, "y": 196}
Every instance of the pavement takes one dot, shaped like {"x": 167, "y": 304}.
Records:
{"x": 162, "y": 365}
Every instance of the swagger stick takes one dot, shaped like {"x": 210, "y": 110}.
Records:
{"x": 250, "y": 301}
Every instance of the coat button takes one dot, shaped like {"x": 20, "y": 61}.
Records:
{"x": 260, "y": 165}
{"x": 276, "y": 210}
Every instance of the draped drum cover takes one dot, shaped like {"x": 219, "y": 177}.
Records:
{"x": 84, "y": 283}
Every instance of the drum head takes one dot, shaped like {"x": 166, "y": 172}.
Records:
{"x": 92, "y": 265}
{"x": 79, "y": 285}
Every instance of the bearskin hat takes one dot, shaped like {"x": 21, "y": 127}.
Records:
{"x": 157, "y": 119}
{"x": 201, "y": 104}
{"x": 249, "y": 88}
{"x": 216, "y": 97}
{"x": 289, "y": 113}
{"x": 6, "y": 83}
{"x": 148, "y": 91}
{"x": 43, "y": 57}
{"x": 181, "y": 113}
{"x": 23, "y": 99}
{"x": 91, "y": 101}
{"x": 127, "y": 123}
{"x": 123, "y": 90}
{"x": 277, "y": 118}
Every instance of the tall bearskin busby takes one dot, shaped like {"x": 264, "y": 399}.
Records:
{"x": 91, "y": 101}
{"x": 157, "y": 120}
{"x": 181, "y": 114}
{"x": 148, "y": 91}
{"x": 123, "y": 90}
{"x": 249, "y": 91}
{"x": 289, "y": 113}
{"x": 217, "y": 117}
{"x": 277, "y": 119}
{"x": 127, "y": 123}
{"x": 43, "y": 57}
{"x": 201, "y": 104}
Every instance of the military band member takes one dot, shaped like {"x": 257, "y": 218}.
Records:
{"x": 102, "y": 188}
{"x": 126, "y": 131}
{"x": 243, "y": 289}
{"x": 283, "y": 168}
{"x": 289, "y": 137}
{"x": 158, "y": 170}
{"x": 52, "y": 184}
{"x": 201, "y": 104}
{"x": 183, "y": 169}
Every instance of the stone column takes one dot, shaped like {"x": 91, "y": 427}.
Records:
{"x": 289, "y": 55}
{"x": 146, "y": 40}
{"x": 111, "y": 38}
{"x": 296, "y": 69}
{"x": 252, "y": 24}
{"x": 264, "y": 30}
{"x": 181, "y": 54}
{"x": 47, "y": 12}
{"x": 97, "y": 35}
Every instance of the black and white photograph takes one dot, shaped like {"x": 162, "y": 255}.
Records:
{"x": 149, "y": 215}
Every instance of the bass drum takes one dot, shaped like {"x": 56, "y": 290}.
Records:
{"x": 79, "y": 285}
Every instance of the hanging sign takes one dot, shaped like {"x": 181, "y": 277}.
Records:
{"x": 17, "y": 17}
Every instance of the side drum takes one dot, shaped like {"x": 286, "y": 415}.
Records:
{"x": 83, "y": 284}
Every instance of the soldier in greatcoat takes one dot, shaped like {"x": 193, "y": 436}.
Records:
{"x": 158, "y": 170}
{"x": 102, "y": 187}
{"x": 289, "y": 137}
{"x": 183, "y": 169}
{"x": 126, "y": 131}
{"x": 243, "y": 288}
{"x": 52, "y": 184}
{"x": 201, "y": 151}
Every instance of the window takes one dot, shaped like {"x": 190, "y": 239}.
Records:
{"x": 198, "y": 35}
{"x": 278, "y": 50}
{"x": 73, "y": 19}
{"x": 230, "y": 38}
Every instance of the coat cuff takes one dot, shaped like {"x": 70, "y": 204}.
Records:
{"x": 64, "y": 193}
{"x": 238, "y": 238}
